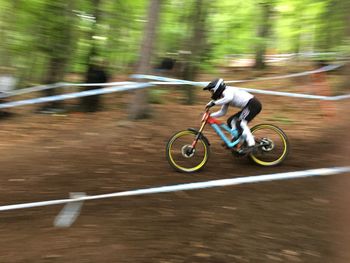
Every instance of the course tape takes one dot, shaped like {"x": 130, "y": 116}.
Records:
{"x": 189, "y": 186}
{"x": 168, "y": 81}
{"x": 59, "y": 85}
{"x": 297, "y": 95}
{"x": 175, "y": 81}
{"x": 75, "y": 95}
{"x": 305, "y": 73}
{"x": 133, "y": 85}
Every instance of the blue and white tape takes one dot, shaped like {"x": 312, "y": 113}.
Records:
{"x": 297, "y": 95}
{"x": 168, "y": 81}
{"x": 32, "y": 89}
{"x": 75, "y": 95}
{"x": 126, "y": 85}
{"x": 60, "y": 85}
{"x": 188, "y": 186}
{"x": 300, "y": 74}
{"x": 305, "y": 73}
{"x": 162, "y": 79}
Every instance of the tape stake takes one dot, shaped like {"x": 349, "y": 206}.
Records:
{"x": 70, "y": 212}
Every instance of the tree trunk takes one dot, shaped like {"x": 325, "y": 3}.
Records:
{"x": 263, "y": 33}
{"x": 196, "y": 45}
{"x": 95, "y": 73}
{"x": 7, "y": 27}
{"x": 298, "y": 27}
{"x": 139, "y": 107}
{"x": 347, "y": 39}
{"x": 97, "y": 14}
{"x": 57, "y": 40}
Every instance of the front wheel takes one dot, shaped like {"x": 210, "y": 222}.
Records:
{"x": 272, "y": 145}
{"x": 182, "y": 156}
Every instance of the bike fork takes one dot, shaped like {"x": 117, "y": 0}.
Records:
{"x": 199, "y": 134}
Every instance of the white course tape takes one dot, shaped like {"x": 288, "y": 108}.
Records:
{"x": 75, "y": 95}
{"x": 171, "y": 80}
{"x": 189, "y": 186}
{"x": 134, "y": 85}
{"x": 259, "y": 91}
{"x": 305, "y": 73}
{"x": 174, "y": 81}
{"x": 296, "y": 95}
{"x": 60, "y": 85}
{"x": 31, "y": 89}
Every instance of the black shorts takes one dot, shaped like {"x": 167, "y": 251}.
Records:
{"x": 248, "y": 113}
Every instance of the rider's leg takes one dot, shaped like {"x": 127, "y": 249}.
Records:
{"x": 247, "y": 134}
{"x": 232, "y": 123}
{"x": 252, "y": 109}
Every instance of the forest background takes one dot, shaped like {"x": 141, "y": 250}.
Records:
{"x": 43, "y": 41}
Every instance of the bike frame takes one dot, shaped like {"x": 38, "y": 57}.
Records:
{"x": 218, "y": 127}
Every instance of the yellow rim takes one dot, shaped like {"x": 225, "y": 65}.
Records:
{"x": 200, "y": 165}
{"x": 263, "y": 163}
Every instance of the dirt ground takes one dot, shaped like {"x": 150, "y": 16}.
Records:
{"x": 45, "y": 157}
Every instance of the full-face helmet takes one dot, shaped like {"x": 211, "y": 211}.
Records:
{"x": 216, "y": 87}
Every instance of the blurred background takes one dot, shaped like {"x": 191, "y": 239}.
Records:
{"x": 94, "y": 145}
{"x": 46, "y": 41}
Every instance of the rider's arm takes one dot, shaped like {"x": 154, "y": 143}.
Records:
{"x": 221, "y": 112}
{"x": 228, "y": 95}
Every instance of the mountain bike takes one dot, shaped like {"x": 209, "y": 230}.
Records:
{"x": 188, "y": 150}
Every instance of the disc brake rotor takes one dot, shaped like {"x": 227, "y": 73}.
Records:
{"x": 267, "y": 145}
{"x": 187, "y": 151}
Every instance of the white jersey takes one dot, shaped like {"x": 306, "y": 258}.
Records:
{"x": 234, "y": 97}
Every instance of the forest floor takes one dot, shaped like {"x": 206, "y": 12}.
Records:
{"x": 45, "y": 157}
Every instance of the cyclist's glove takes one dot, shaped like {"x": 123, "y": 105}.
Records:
{"x": 210, "y": 104}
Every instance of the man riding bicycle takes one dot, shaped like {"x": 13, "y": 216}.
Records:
{"x": 230, "y": 96}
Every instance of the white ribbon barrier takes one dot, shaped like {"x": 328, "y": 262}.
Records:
{"x": 146, "y": 85}
{"x": 297, "y": 95}
{"x": 188, "y": 186}
{"x": 175, "y": 81}
{"x": 322, "y": 69}
{"x": 305, "y": 73}
{"x": 31, "y": 89}
{"x": 60, "y": 85}
{"x": 126, "y": 85}
{"x": 172, "y": 81}
{"x": 75, "y": 95}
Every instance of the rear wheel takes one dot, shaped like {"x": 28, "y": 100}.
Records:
{"x": 272, "y": 145}
{"x": 182, "y": 156}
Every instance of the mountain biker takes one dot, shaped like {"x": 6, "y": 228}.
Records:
{"x": 231, "y": 96}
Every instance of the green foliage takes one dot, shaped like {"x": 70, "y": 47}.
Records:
{"x": 155, "y": 96}
{"x": 35, "y": 31}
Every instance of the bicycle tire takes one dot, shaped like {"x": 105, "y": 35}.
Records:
{"x": 173, "y": 154}
{"x": 280, "y": 156}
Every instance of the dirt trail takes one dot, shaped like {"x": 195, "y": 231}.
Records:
{"x": 46, "y": 157}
